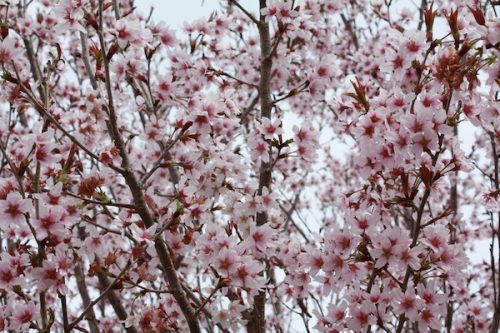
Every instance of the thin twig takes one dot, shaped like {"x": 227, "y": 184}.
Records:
{"x": 101, "y": 296}
{"x": 102, "y": 203}
{"x": 250, "y": 16}
{"x": 165, "y": 152}
{"x": 349, "y": 28}
{"x": 86, "y": 60}
{"x": 84, "y": 293}
{"x": 202, "y": 305}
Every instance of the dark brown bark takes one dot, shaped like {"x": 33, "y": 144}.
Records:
{"x": 257, "y": 324}
{"x": 495, "y": 324}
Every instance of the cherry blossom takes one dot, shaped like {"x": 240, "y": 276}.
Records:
{"x": 9, "y": 50}
{"x": 12, "y": 210}
{"x": 22, "y": 315}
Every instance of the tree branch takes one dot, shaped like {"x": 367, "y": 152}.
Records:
{"x": 250, "y": 16}
{"x": 138, "y": 196}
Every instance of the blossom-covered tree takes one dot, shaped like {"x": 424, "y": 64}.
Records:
{"x": 294, "y": 169}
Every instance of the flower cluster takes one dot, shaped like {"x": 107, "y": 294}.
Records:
{"x": 307, "y": 163}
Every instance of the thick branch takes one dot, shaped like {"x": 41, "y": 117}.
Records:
{"x": 257, "y": 323}
{"x": 138, "y": 196}
{"x": 496, "y": 171}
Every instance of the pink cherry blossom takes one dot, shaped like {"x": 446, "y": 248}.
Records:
{"x": 22, "y": 315}
{"x": 270, "y": 128}
{"x": 408, "y": 303}
{"x": 12, "y": 210}
{"x": 9, "y": 50}
{"x": 8, "y": 276}
{"x": 51, "y": 221}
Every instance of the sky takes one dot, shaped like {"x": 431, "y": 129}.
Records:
{"x": 175, "y": 12}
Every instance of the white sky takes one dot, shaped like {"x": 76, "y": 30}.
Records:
{"x": 175, "y": 12}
